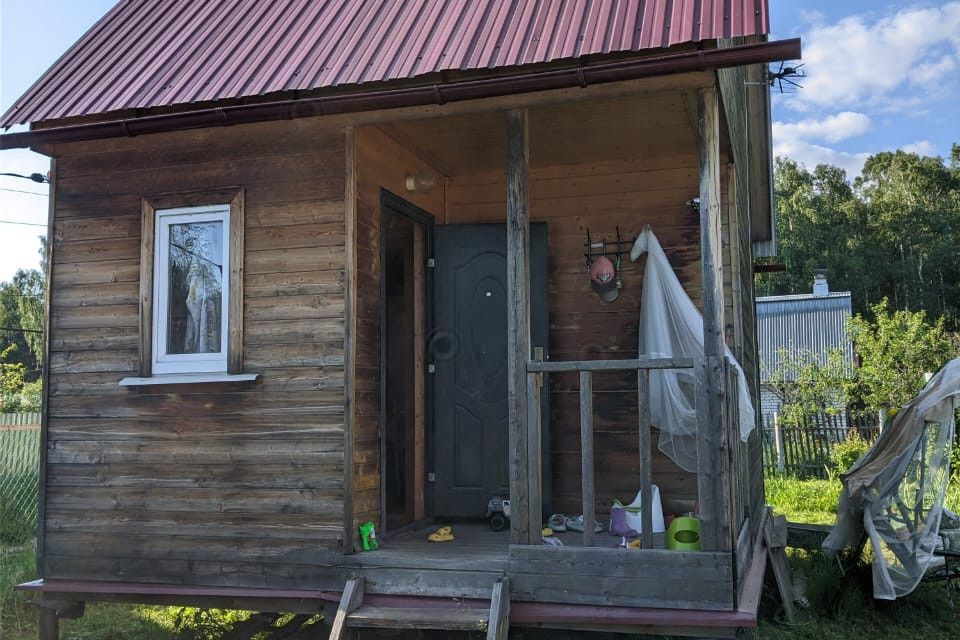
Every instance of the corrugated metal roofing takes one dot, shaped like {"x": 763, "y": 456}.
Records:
{"x": 152, "y": 53}
{"x": 802, "y": 323}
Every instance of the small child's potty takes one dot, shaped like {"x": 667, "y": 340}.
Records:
{"x": 684, "y": 534}
{"x": 633, "y": 511}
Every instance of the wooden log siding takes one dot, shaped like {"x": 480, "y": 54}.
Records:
{"x": 204, "y": 484}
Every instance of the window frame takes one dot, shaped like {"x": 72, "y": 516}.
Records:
{"x": 154, "y": 210}
{"x": 210, "y": 362}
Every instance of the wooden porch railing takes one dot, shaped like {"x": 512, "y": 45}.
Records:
{"x": 586, "y": 369}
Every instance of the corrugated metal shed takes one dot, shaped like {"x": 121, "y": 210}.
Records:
{"x": 153, "y": 53}
{"x": 799, "y": 323}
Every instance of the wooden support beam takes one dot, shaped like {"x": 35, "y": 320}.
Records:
{"x": 646, "y": 458}
{"x": 49, "y": 625}
{"x": 498, "y": 627}
{"x": 522, "y": 530}
{"x": 534, "y": 464}
{"x": 350, "y": 332}
{"x": 45, "y": 374}
{"x": 713, "y": 466}
{"x": 586, "y": 456}
{"x": 350, "y": 601}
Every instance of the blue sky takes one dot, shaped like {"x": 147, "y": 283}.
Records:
{"x": 881, "y": 76}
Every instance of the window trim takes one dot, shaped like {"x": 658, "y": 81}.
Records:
{"x": 233, "y": 199}
{"x": 170, "y": 363}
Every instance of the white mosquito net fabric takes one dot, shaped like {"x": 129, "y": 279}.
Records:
{"x": 894, "y": 493}
{"x": 671, "y": 326}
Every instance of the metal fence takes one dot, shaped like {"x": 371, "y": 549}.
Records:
{"x": 804, "y": 450}
{"x": 19, "y": 471}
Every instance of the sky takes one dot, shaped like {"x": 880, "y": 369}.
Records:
{"x": 880, "y": 76}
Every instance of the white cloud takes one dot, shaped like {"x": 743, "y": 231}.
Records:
{"x": 921, "y": 147}
{"x": 860, "y": 60}
{"x": 798, "y": 140}
{"x": 933, "y": 72}
{"x": 835, "y": 128}
{"x": 810, "y": 155}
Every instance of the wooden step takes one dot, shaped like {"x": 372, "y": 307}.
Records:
{"x": 449, "y": 619}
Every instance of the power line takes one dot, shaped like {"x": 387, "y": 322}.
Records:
{"x": 20, "y": 329}
{"x": 32, "y": 193}
{"x": 29, "y": 224}
{"x": 36, "y": 177}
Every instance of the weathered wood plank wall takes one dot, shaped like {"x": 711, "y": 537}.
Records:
{"x": 632, "y": 187}
{"x": 207, "y": 484}
{"x": 382, "y": 163}
{"x": 740, "y": 89}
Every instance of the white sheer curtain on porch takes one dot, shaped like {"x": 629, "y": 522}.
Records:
{"x": 671, "y": 326}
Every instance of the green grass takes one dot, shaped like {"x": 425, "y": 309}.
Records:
{"x": 811, "y": 501}
{"x": 99, "y": 622}
{"x": 842, "y": 606}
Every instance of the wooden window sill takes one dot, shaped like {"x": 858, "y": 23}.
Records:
{"x": 188, "y": 378}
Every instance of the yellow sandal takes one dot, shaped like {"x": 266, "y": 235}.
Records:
{"x": 443, "y": 534}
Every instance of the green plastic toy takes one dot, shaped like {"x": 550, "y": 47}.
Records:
{"x": 368, "y": 537}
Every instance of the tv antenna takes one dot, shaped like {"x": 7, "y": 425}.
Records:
{"x": 786, "y": 73}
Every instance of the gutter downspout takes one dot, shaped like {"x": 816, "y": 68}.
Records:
{"x": 580, "y": 76}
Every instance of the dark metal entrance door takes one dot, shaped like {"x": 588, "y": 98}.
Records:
{"x": 468, "y": 349}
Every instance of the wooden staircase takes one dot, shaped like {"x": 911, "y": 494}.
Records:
{"x": 353, "y": 614}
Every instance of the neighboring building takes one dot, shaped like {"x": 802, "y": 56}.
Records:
{"x": 792, "y": 325}
{"x": 294, "y": 288}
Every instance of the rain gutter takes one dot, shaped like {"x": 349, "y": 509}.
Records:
{"x": 374, "y": 100}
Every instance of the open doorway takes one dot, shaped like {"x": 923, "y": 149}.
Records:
{"x": 405, "y": 241}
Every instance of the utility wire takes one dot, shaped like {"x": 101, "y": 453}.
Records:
{"x": 29, "y": 224}
{"x": 21, "y": 329}
{"x": 32, "y": 193}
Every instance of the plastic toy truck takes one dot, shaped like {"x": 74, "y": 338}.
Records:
{"x": 498, "y": 513}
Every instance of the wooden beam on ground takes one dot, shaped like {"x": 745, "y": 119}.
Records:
{"x": 350, "y": 601}
{"x": 586, "y": 456}
{"x": 522, "y": 530}
{"x": 498, "y": 627}
{"x": 713, "y": 466}
{"x": 775, "y": 536}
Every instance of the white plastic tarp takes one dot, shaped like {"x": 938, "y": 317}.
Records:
{"x": 671, "y": 326}
{"x": 894, "y": 493}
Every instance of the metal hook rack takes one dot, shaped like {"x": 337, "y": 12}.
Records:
{"x": 613, "y": 246}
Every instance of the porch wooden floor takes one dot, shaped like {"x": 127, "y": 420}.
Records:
{"x": 474, "y": 547}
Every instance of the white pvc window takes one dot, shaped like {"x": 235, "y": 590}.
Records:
{"x": 191, "y": 289}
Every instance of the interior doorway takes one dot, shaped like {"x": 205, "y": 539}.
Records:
{"x": 405, "y": 239}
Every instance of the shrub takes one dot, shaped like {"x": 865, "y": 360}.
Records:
{"x": 846, "y": 453}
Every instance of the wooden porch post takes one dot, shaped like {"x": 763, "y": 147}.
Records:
{"x": 524, "y": 452}
{"x": 713, "y": 455}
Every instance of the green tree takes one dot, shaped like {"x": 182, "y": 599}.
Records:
{"x": 894, "y": 351}
{"x": 894, "y": 233}
{"x": 15, "y": 393}
{"x": 914, "y": 204}
{"x": 21, "y": 321}
{"x": 808, "y": 384}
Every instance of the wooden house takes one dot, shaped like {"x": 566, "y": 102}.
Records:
{"x": 319, "y": 264}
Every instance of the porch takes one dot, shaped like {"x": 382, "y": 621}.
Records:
{"x": 604, "y": 164}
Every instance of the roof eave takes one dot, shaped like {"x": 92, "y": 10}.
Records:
{"x": 418, "y": 95}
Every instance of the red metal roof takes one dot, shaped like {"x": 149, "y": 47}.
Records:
{"x": 153, "y": 53}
